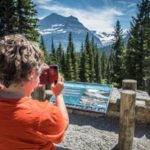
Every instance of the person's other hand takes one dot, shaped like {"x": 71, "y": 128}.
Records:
{"x": 58, "y": 88}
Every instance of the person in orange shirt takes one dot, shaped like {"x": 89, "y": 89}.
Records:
{"x": 26, "y": 123}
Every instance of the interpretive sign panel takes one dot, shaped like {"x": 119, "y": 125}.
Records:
{"x": 87, "y": 96}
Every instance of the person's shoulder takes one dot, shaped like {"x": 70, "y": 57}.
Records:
{"x": 36, "y": 104}
{"x": 31, "y": 110}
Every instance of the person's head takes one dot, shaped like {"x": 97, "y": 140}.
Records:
{"x": 20, "y": 61}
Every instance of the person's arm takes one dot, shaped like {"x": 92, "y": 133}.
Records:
{"x": 57, "y": 92}
{"x": 61, "y": 105}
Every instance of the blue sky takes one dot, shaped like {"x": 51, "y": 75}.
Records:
{"x": 99, "y": 15}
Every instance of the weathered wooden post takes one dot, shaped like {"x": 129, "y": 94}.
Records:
{"x": 39, "y": 93}
{"x": 129, "y": 84}
{"x": 147, "y": 85}
{"x": 127, "y": 119}
{"x": 127, "y": 114}
{"x": 42, "y": 93}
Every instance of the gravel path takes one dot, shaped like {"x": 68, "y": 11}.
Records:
{"x": 88, "y": 133}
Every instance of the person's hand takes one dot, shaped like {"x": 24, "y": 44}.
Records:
{"x": 45, "y": 66}
{"x": 1, "y": 86}
{"x": 58, "y": 88}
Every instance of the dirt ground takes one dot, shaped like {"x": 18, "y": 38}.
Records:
{"x": 89, "y": 133}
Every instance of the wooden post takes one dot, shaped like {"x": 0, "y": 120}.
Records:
{"x": 127, "y": 119}
{"x": 147, "y": 85}
{"x": 48, "y": 94}
{"x": 128, "y": 84}
{"x": 39, "y": 93}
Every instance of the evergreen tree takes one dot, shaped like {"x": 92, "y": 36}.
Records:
{"x": 59, "y": 54}
{"x": 94, "y": 47}
{"x": 108, "y": 73}
{"x": 42, "y": 46}
{"x": 109, "y": 69}
{"x": 72, "y": 64}
{"x": 27, "y": 23}
{"x": 69, "y": 67}
{"x": 18, "y": 16}
{"x": 63, "y": 63}
{"x": 52, "y": 55}
{"x": 53, "y": 47}
{"x": 78, "y": 58}
{"x": 8, "y": 17}
{"x": 146, "y": 61}
{"x": 84, "y": 68}
{"x": 76, "y": 67}
{"x": 103, "y": 65}
{"x": 92, "y": 57}
{"x": 98, "y": 68}
{"x": 89, "y": 60}
{"x": 117, "y": 58}
{"x": 82, "y": 59}
{"x": 82, "y": 49}
{"x": 138, "y": 52}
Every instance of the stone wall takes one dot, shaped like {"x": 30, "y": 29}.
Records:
{"x": 142, "y": 109}
{"x": 142, "y": 112}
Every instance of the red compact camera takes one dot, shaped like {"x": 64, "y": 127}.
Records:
{"x": 49, "y": 75}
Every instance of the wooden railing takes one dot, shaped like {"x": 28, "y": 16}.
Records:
{"x": 147, "y": 85}
{"x": 127, "y": 111}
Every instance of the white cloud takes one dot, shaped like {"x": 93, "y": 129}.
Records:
{"x": 132, "y": 5}
{"x": 42, "y": 2}
{"x": 124, "y": 2}
{"x": 101, "y": 20}
{"x": 129, "y": 4}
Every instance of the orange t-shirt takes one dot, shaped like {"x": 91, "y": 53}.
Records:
{"x": 30, "y": 125}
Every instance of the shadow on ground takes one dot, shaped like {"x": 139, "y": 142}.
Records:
{"x": 108, "y": 124}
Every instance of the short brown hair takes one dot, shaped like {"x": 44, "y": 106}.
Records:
{"x": 18, "y": 57}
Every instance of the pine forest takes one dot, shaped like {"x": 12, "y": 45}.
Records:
{"x": 90, "y": 64}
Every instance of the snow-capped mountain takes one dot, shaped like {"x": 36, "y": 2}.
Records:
{"x": 107, "y": 38}
{"x": 58, "y": 27}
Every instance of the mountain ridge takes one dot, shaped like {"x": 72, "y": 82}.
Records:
{"x": 57, "y": 27}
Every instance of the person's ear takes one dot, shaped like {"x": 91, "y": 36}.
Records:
{"x": 31, "y": 75}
